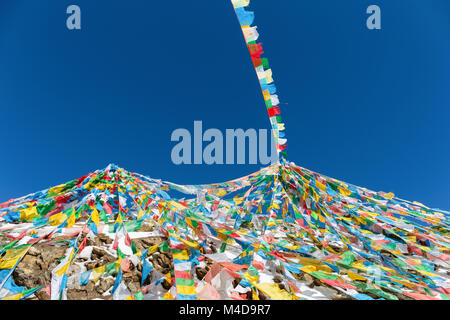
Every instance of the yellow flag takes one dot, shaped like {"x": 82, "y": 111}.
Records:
{"x": 420, "y": 204}
{"x": 71, "y": 220}
{"x": 98, "y": 272}
{"x": 119, "y": 218}
{"x": 141, "y": 213}
{"x": 28, "y": 214}
{"x": 266, "y": 95}
{"x": 238, "y": 200}
{"x": 254, "y": 295}
{"x": 221, "y": 192}
{"x": 404, "y": 282}
{"x": 321, "y": 186}
{"x": 57, "y": 219}
{"x": 308, "y": 269}
{"x": 389, "y": 195}
{"x": 274, "y": 291}
{"x": 252, "y": 279}
{"x": 16, "y": 296}
{"x": 152, "y": 249}
{"x": 94, "y": 217}
{"x": 240, "y": 3}
{"x": 57, "y": 189}
{"x": 269, "y": 78}
{"x": 63, "y": 269}
{"x": 186, "y": 290}
{"x": 168, "y": 296}
{"x": 359, "y": 265}
{"x": 344, "y": 192}
{"x": 376, "y": 246}
{"x": 182, "y": 255}
{"x": 9, "y": 260}
{"x": 355, "y": 276}
{"x": 188, "y": 243}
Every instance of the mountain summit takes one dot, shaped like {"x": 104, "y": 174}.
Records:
{"x": 283, "y": 232}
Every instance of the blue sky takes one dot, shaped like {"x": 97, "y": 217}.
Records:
{"x": 367, "y": 107}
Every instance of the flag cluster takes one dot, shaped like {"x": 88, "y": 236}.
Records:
{"x": 256, "y": 235}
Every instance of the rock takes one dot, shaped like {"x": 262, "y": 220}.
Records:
{"x": 134, "y": 286}
{"x": 36, "y": 266}
{"x": 278, "y": 270}
{"x": 149, "y": 277}
{"x": 100, "y": 254}
{"x": 105, "y": 284}
{"x": 51, "y": 252}
{"x": 159, "y": 261}
{"x": 33, "y": 251}
{"x": 104, "y": 238}
{"x": 201, "y": 272}
{"x": 42, "y": 295}
{"x": 61, "y": 238}
{"x": 73, "y": 270}
{"x": 277, "y": 279}
{"x": 317, "y": 283}
{"x": 43, "y": 265}
{"x": 262, "y": 296}
{"x": 92, "y": 265}
{"x": 147, "y": 226}
{"x": 30, "y": 260}
{"x": 98, "y": 242}
{"x": 339, "y": 297}
{"x": 309, "y": 280}
{"x": 166, "y": 285}
{"x": 76, "y": 294}
{"x": 144, "y": 243}
{"x": 167, "y": 261}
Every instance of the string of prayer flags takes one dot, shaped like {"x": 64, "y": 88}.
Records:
{"x": 264, "y": 73}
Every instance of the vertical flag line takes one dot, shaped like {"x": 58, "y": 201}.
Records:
{"x": 272, "y": 110}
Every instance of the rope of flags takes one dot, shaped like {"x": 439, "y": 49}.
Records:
{"x": 264, "y": 73}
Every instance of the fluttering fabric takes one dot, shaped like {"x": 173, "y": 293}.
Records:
{"x": 284, "y": 232}
{"x": 264, "y": 73}
{"x": 262, "y": 234}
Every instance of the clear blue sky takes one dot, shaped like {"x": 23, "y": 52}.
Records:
{"x": 367, "y": 107}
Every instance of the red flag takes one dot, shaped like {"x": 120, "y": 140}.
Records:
{"x": 21, "y": 235}
{"x": 107, "y": 208}
{"x": 58, "y": 209}
{"x": 273, "y": 111}
{"x": 5, "y": 204}
{"x": 256, "y": 61}
{"x": 127, "y": 240}
{"x": 83, "y": 244}
{"x": 116, "y": 243}
{"x": 255, "y": 49}
{"x": 80, "y": 181}
{"x": 215, "y": 205}
{"x": 35, "y": 240}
